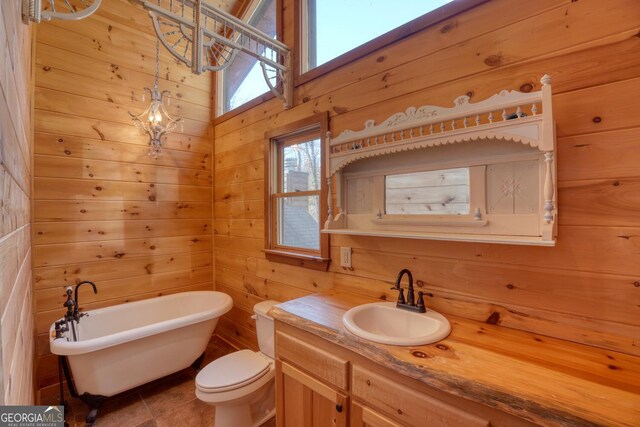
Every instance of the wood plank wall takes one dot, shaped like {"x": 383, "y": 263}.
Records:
{"x": 587, "y": 289}
{"x": 104, "y": 210}
{"x": 16, "y": 138}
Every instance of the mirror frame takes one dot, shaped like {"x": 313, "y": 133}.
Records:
{"x": 524, "y": 118}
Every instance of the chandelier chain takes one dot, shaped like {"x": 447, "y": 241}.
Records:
{"x": 157, "y": 62}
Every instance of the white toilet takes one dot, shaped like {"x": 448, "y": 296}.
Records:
{"x": 241, "y": 384}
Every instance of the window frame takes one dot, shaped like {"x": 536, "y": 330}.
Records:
{"x": 219, "y": 116}
{"x": 420, "y": 23}
{"x": 276, "y": 140}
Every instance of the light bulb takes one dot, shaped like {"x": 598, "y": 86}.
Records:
{"x": 158, "y": 117}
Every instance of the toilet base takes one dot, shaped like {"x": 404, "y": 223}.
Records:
{"x": 243, "y": 413}
{"x": 240, "y": 416}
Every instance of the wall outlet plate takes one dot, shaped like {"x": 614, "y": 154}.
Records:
{"x": 345, "y": 257}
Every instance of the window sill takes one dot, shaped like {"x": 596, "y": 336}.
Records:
{"x": 295, "y": 258}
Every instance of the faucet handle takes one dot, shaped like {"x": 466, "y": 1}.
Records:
{"x": 60, "y": 328}
{"x": 420, "y": 304}
{"x": 401, "y": 296}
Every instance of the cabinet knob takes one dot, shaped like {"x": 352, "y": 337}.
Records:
{"x": 339, "y": 408}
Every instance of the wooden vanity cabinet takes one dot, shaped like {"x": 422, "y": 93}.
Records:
{"x": 320, "y": 384}
{"x": 306, "y": 401}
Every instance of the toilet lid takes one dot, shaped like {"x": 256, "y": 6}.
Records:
{"x": 232, "y": 371}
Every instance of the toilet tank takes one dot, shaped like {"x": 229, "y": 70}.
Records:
{"x": 264, "y": 327}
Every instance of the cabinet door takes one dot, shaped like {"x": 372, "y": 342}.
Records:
{"x": 303, "y": 401}
{"x": 361, "y": 416}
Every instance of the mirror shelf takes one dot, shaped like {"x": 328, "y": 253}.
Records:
{"x": 481, "y": 172}
{"x": 458, "y": 237}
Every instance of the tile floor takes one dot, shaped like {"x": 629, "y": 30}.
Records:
{"x": 169, "y": 401}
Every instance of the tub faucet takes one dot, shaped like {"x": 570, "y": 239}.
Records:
{"x": 76, "y": 312}
{"x": 410, "y": 303}
{"x": 69, "y": 304}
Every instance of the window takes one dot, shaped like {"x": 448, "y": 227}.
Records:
{"x": 296, "y": 204}
{"x": 242, "y": 80}
{"x": 331, "y": 28}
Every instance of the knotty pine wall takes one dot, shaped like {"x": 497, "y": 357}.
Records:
{"x": 104, "y": 210}
{"x": 17, "y": 342}
{"x": 586, "y": 289}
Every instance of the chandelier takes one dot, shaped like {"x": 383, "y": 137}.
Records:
{"x": 155, "y": 121}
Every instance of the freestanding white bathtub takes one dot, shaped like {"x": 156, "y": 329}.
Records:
{"x": 124, "y": 346}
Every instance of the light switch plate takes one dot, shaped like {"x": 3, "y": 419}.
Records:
{"x": 345, "y": 257}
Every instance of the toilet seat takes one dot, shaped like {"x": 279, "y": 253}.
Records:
{"x": 232, "y": 371}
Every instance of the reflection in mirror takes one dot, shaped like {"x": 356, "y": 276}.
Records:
{"x": 437, "y": 192}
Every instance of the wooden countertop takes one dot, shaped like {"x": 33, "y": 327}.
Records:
{"x": 545, "y": 380}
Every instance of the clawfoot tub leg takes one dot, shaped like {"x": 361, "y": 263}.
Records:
{"x": 198, "y": 362}
{"x": 91, "y": 400}
{"x": 94, "y": 402}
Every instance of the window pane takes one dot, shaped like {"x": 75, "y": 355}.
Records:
{"x": 439, "y": 192}
{"x": 243, "y": 79}
{"x": 338, "y": 26}
{"x": 298, "y": 224}
{"x": 302, "y": 166}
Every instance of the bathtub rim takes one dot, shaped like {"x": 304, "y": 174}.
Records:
{"x": 62, "y": 347}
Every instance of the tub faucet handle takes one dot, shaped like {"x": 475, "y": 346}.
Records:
{"x": 60, "y": 328}
{"x": 69, "y": 304}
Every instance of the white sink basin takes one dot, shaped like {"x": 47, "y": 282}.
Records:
{"x": 384, "y": 323}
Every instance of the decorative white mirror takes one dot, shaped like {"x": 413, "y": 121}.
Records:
{"x": 433, "y": 192}
{"x": 474, "y": 172}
